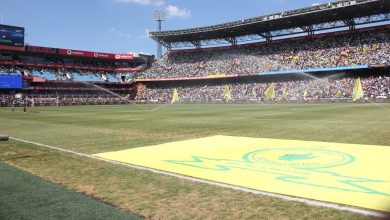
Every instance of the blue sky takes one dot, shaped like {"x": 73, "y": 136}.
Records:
{"x": 121, "y": 26}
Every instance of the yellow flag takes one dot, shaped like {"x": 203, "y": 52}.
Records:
{"x": 338, "y": 94}
{"x": 254, "y": 92}
{"x": 175, "y": 97}
{"x": 357, "y": 90}
{"x": 284, "y": 93}
{"x": 270, "y": 92}
{"x": 226, "y": 94}
{"x": 305, "y": 95}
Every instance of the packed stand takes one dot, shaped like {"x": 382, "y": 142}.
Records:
{"x": 33, "y": 100}
{"x": 326, "y": 90}
{"x": 4, "y": 70}
{"x": 366, "y": 48}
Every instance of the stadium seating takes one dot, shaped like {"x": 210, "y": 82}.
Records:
{"x": 111, "y": 78}
{"x": 75, "y": 76}
{"x": 347, "y": 50}
{"x": 86, "y": 77}
{"x": 367, "y": 48}
{"x": 325, "y": 89}
{"x": 37, "y": 74}
{"x": 63, "y": 99}
{"x": 49, "y": 76}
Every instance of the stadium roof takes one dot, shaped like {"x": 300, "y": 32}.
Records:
{"x": 345, "y": 13}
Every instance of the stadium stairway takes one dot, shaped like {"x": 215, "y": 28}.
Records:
{"x": 86, "y": 78}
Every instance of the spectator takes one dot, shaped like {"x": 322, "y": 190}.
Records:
{"x": 367, "y": 48}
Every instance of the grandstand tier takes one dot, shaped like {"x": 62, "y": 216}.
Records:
{"x": 43, "y": 57}
{"x": 320, "y": 67}
{"x": 292, "y": 88}
{"x": 334, "y": 61}
{"x": 342, "y": 51}
{"x": 47, "y": 68}
{"x": 51, "y": 76}
{"x": 319, "y": 17}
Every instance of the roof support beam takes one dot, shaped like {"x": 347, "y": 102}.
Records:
{"x": 168, "y": 45}
{"x": 327, "y": 16}
{"x": 197, "y": 44}
{"x": 164, "y": 43}
{"x": 232, "y": 40}
{"x": 267, "y": 35}
{"x": 351, "y": 23}
{"x": 309, "y": 29}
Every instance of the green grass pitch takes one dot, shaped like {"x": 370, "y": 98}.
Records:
{"x": 24, "y": 196}
{"x": 97, "y": 129}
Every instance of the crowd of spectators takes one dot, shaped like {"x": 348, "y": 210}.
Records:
{"x": 362, "y": 48}
{"x": 6, "y": 70}
{"x": 6, "y": 100}
{"x": 374, "y": 88}
{"x": 326, "y": 89}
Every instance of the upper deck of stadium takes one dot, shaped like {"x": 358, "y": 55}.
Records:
{"x": 320, "y": 17}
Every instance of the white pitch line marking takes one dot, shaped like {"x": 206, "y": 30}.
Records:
{"x": 257, "y": 192}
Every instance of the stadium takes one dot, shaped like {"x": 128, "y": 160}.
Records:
{"x": 279, "y": 116}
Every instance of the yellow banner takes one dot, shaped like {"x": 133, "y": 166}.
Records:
{"x": 350, "y": 174}
{"x": 175, "y": 97}
{"x": 216, "y": 75}
{"x": 269, "y": 93}
{"x": 358, "y": 92}
{"x": 227, "y": 94}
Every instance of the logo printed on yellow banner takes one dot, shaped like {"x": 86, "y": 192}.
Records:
{"x": 341, "y": 173}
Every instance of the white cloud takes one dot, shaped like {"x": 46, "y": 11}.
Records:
{"x": 174, "y": 11}
{"x": 170, "y": 10}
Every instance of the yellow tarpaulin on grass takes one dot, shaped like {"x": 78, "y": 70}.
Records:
{"x": 356, "y": 175}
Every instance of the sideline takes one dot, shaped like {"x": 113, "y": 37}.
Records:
{"x": 257, "y": 192}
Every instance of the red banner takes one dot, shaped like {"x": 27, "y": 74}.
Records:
{"x": 37, "y": 79}
{"x": 81, "y": 53}
{"x": 124, "y": 56}
{"x": 4, "y": 47}
{"x": 66, "y": 66}
{"x": 127, "y": 69}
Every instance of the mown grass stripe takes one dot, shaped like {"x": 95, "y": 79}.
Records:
{"x": 25, "y": 196}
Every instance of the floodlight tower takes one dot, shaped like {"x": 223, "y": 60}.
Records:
{"x": 159, "y": 17}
